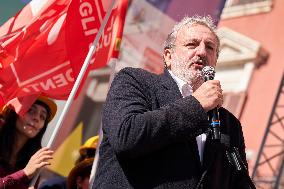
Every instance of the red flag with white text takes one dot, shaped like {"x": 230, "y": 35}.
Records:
{"x": 43, "y": 47}
{"x": 111, "y": 36}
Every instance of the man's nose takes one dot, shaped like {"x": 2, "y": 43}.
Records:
{"x": 201, "y": 50}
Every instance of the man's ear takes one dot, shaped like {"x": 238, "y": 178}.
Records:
{"x": 167, "y": 56}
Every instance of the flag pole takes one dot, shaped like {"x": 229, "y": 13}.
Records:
{"x": 77, "y": 84}
{"x": 97, "y": 155}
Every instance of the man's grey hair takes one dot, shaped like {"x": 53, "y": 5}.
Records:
{"x": 200, "y": 20}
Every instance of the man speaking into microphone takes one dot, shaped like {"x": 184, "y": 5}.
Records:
{"x": 158, "y": 130}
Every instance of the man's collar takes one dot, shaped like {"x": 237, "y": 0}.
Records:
{"x": 179, "y": 81}
{"x": 184, "y": 88}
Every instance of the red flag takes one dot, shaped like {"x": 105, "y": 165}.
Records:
{"x": 43, "y": 47}
{"x": 87, "y": 21}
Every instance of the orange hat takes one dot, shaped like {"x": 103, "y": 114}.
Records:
{"x": 43, "y": 99}
{"x": 4, "y": 111}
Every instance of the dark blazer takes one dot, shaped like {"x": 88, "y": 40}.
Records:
{"x": 149, "y": 137}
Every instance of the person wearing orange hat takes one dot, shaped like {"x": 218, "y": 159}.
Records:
{"x": 21, "y": 153}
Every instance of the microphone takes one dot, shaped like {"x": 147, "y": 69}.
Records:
{"x": 208, "y": 73}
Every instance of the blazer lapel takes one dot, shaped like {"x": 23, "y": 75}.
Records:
{"x": 169, "y": 89}
{"x": 169, "y": 93}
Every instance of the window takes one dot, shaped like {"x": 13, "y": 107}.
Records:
{"x": 242, "y": 2}
{"x": 234, "y": 8}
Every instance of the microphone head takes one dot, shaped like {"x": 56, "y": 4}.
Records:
{"x": 208, "y": 73}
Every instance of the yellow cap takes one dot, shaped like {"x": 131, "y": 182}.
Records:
{"x": 91, "y": 143}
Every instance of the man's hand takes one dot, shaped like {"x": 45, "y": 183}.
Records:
{"x": 209, "y": 95}
{"x": 37, "y": 161}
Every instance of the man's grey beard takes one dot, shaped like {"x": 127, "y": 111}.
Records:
{"x": 194, "y": 78}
